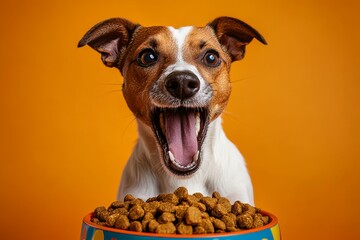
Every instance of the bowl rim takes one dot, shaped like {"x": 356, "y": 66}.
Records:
{"x": 273, "y": 222}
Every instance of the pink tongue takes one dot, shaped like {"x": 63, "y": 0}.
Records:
{"x": 181, "y": 136}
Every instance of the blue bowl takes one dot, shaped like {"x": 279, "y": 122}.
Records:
{"x": 91, "y": 231}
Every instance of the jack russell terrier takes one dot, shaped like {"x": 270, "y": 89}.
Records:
{"x": 176, "y": 83}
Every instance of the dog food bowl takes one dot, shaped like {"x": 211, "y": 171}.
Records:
{"x": 91, "y": 231}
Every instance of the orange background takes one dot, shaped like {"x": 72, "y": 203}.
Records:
{"x": 66, "y": 132}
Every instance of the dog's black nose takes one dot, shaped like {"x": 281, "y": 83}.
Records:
{"x": 182, "y": 84}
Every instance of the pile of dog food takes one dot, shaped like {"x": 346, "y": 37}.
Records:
{"x": 181, "y": 213}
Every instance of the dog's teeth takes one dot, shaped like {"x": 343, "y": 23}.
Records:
{"x": 197, "y": 123}
{"x": 172, "y": 158}
{"x": 196, "y": 156}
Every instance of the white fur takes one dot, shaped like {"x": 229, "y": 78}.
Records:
{"x": 222, "y": 166}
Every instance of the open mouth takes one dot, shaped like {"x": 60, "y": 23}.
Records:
{"x": 181, "y": 132}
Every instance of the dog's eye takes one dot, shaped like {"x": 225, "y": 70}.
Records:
{"x": 211, "y": 59}
{"x": 147, "y": 58}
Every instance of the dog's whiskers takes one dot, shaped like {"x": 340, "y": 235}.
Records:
{"x": 240, "y": 80}
{"x": 133, "y": 119}
{"x": 111, "y": 84}
{"x": 232, "y": 115}
{"x": 109, "y": 92}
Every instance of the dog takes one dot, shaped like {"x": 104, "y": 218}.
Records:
{"x": 176, "y": 83}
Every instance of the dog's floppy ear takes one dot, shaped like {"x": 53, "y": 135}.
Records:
{"x": 109, "y": 38}
{"x": 234, "y": 35}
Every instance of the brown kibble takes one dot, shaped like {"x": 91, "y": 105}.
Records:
{"x": 129, "y": 198}
{"x": 122, "y": 222}
{"x": 184, "y": 203}
{"x": 98, "y": 210}
{"x": 117, "y": 204}
{"x": 151, "y": 199}
{"x": 199, "y": 230}
{"x": 236, "y": 208}
{"x": 110, "y": 221}
{"x": 193, "y": 216}
{"x": 266, "y": 219}
{"x": 136, "y": 201}
{"x": 191, "y": 199}
{"x": 136, "y": 212}
{"x": 146, "y": 206}
{"x": 95, "y": 220}
{"x": 127, "y": 205}
{"x": 180, "y": 212}
{"x": 218, "y": 211}
{"x": 216, "y": 195}
{"x": 103, "y": 216}
{"x": 166, "y": 217}
{"x": 207, "y": 225}
{"x": 152, "y": 225}
{"x": 144, "y": 225}
{"x": 233, "y": 216}
{"x": 182, "y": 228}
{"x": 200, "y": 206}
{"x": 166, "y": 207}
{"x": 171, "y": 198}
{"x": 148, "y": 216}
{"x": 209, "y": 202}
{"x": 136, "y": 226}
{"x": 247, "y": 208}
{"x": 245, "y": 221}
{"x": 258, "y": 222}
{"x": 198, "y": 195}
{"x": 102, "y": 223}
{"x": 151, "y": 206}
{"x": 181, "y": 193}
{"x": 225, "y": 202}
{"x": 218, "y": 224}
{"x": 121, "y": 211}
{"x": 229, "y": 221}
{"x": 146, "y": 219}
{"x": 205, "y": 215}
{"x": 166, "y": 228}
{"x": 161, "y": 196}
{"x": 232, "y": 229}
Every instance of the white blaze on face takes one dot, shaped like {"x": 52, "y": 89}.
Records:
{"x": 179, "y": 35}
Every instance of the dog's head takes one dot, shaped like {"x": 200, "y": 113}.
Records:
{"x": 176, "y": 81}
